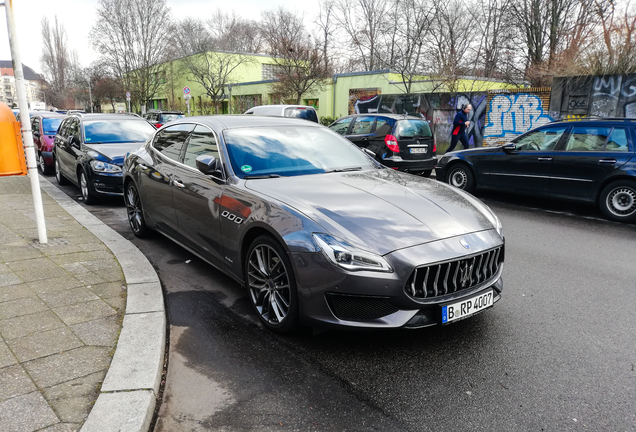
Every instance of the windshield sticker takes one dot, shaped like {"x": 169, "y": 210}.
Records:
{"x": 246, "y": 168}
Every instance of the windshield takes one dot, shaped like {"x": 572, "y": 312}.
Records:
{"x": 50, "y": 125}
{"x": 165, "y": 118}
{"x": 413, "y": 129}
{"x": 291, "y": 151}
{"x": 303, "y": 113}
{"x": 117, "y": 131}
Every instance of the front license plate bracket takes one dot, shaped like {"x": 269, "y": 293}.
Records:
{"x": 467, "y": 307}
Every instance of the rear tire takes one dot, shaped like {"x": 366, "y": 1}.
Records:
{"x": 461, "y": 176}
{"x": 271, "y": 285}
{"x": 617, "y": 201}
{"x": 61, "y": 180}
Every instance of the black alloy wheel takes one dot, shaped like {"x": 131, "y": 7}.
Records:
{"x": 461, "y": 177}
{"x": 271, "y": 284}
{"x": 46, "y": 170}
{"x": 617, "y": 201}
{"x": 87, "y": 195}
{"x": 135, "y": 212}
{"x": 61, "y": 180}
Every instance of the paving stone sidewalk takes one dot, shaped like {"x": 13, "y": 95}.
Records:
{"x": 61, "y": 309}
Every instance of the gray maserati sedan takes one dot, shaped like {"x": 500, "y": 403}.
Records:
{"x": 317, "y": 231}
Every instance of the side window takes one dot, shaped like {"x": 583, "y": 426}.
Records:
{"x": 170, "y": 141}
{"x": 62, "y": 131}
{"x": 541, "y": 140}
{"x": 617, "y": 140}
{"x": 35, "y": 124}
{"x": 341, "y": 126}
{"x": 202, "y": 142}
{"x": 587, "y": 139}
{"x": 362, "y": 125}
{"x": 73, "y": 129}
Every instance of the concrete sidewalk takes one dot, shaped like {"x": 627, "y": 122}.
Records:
{"x": 62, "y": 306}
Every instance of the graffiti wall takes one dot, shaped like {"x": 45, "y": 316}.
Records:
{"x": 438, "y": 109}
{"x": 514, "y": 112}
{"x": 594, "y": 96}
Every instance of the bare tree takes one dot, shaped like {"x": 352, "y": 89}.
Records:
{"x": 300, "y": 66}
{"x": 58, "y": 63}
{"x": 364, "y": 23}
{"x": 131, "y": 36}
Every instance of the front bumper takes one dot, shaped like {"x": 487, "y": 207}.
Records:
{"x": 107, "y": 184}
{"x": 334, "y": 298}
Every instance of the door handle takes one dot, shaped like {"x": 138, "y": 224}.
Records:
{"x": 178, "y": 184}
{"x": 545, "y": 159}
{"x": 607, "y": 161}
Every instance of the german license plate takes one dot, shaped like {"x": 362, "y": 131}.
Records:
{"x": 419, "y": 150}
{"x": 467, "y": 307}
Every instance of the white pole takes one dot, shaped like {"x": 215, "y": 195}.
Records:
{"x": 27, "y": 134}
{"x": 90, "y": 94}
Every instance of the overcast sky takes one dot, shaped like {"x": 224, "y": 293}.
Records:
{"x": 78, "y": 17}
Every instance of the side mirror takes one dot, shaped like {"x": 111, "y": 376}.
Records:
{"x": 509, "y": 148}
{"x": 209, "y": 165}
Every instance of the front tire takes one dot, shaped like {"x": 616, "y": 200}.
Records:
{"x": 461, "y": 177}
{"x": 87, "y": 195}
{"x": 46, "y": 170}
{"x": 135, "y": 212}
{"x": 617, "y": 201}
{"x": 271, "y": 285}
{"x": 61, "y": 180}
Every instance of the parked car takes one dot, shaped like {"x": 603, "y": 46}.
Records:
{"x": 160, "y": 118}
{"x": 89, "y": 151}
{"x": 318, "y": 231}
{"x": 400, "y": 142}
{"x": 293, "y": 111}
{"x": 44, "y": 126}
{"x": 590, "y": 160}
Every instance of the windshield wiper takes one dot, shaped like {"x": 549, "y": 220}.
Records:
{"x": 254, "y": 177}
{"x": 345, "y": 169}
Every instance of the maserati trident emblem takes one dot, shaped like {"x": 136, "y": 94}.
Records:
{"x": 465, "y": 270}
{"x": 464, "y": 244}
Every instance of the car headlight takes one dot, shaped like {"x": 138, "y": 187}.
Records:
{"x": 348, "y": 257}
{"x": 99, "y": 166}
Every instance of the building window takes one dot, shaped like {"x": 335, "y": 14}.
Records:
{"x": 313, "y": 102}
{"x": 269, "y": 71}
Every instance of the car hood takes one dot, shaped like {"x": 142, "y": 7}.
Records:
{"x": 115, "y": 152}
{"x": 380, "y": 210}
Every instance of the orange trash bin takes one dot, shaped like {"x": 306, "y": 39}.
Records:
{"x": 12, "y": 158}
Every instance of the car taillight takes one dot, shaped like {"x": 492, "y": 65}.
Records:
{"x": 392, "y": 143}
{"x": 158, "y": 125}
{"x": 434, "y": 145}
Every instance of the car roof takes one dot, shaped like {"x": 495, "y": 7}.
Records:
{"x": 389, "y": 115}
{"x": 164, "y": 112}
{"x": 243, "y": 121}
{"x": 49, "y": 114}
{"x": 100, "y": 116}
{"x": 588, "y": 120}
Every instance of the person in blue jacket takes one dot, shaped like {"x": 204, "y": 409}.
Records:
{"x": 460, "y": 123}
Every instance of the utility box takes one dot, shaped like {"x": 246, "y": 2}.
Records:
{"x": 12, "y": 159}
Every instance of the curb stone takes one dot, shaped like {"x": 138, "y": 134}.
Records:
{"x": 128, "y": 395}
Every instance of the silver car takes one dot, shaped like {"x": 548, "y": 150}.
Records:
{"x": 317, "y": 231}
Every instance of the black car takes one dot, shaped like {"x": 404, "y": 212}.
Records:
{"x": 159, "y": 118}
{"x": 590, "y": 160}
{"x": 89, "y": 151}
{"x": 400, "y": 142}
{"x": 318, "y": 231}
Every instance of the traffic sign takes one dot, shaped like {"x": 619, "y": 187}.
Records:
{"x": 186, "y": 90}
{"x": 127, "y": 94}
{"x": 187, "y": 96}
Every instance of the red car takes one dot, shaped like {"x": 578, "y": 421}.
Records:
{"x": 44, "y": 126}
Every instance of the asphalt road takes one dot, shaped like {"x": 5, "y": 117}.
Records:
{"x": 558, "y": 353}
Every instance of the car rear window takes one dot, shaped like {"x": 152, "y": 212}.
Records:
{"x": 165, "y": 118}
{"x": 303, "y": 113}
{"x": 413, "y": 129}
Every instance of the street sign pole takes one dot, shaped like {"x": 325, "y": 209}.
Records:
{"x": 187, "y": 96}
{"x": 128, "y": 100}
{"x": 27, "y": 133}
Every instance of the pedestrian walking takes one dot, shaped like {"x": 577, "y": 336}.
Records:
{"x": 460, "y": 123}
